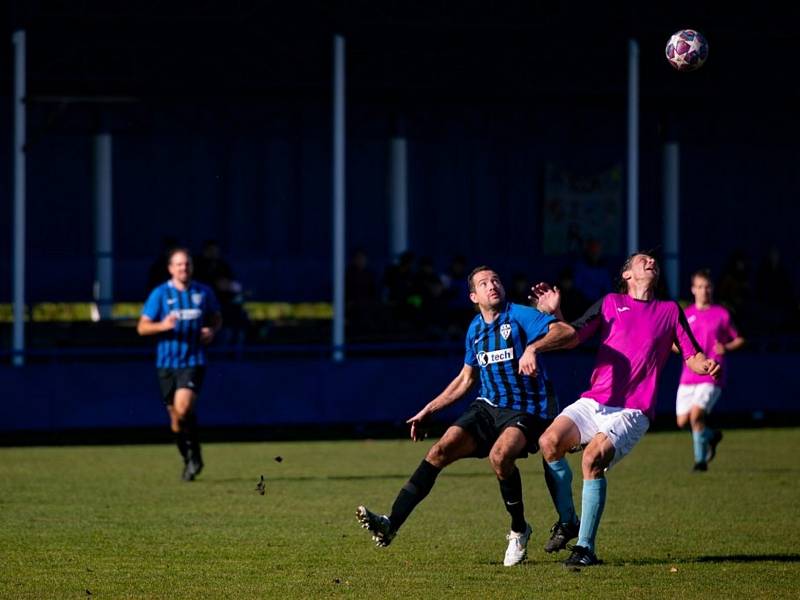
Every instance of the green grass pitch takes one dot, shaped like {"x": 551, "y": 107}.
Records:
{"x": 117, "y": 522}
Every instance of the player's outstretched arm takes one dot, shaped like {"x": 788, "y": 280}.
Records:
{"x": 452, "y": 393}
{"x": 559, "y": 336}
{"x": 702, "y": 365}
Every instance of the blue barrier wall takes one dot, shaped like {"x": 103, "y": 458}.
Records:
{"x": 311, "y": 392}
{"x": 262, "y": 187}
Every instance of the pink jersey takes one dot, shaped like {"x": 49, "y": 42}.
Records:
{"x": 709, "y": 326}
{"x": 636, "y": 338}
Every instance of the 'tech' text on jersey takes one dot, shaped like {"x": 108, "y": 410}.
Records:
{"x": 193, "y": 307}
{"x": 495, "y": 348}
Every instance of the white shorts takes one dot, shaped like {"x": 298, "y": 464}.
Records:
{"x": 703, "y": 395}
{"x": 624, "y": 427}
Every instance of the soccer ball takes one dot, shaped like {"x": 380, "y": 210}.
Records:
{"x": 687, "y": 50}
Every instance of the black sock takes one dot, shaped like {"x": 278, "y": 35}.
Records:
{"x": 413, "y": 492}
{"x": 180, "y": 442}
{"x": 189, "y": 427}
{"x": 511, "y": 491}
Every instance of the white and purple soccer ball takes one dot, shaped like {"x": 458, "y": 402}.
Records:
{"x": 687, "y": 50}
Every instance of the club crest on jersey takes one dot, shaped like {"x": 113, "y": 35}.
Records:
{"x": 495, "y": 356}
{"x": 197, "y": 298}
{"x": 691, "y": 318}
{"x": 505, "y": 330}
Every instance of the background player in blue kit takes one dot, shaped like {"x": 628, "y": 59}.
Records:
{"x": 184, "y": 315}
{"x": 515, "y": 405}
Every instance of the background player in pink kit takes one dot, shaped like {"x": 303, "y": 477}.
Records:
{"x": 697, "y": 394}
{"x": 636, "y": 335}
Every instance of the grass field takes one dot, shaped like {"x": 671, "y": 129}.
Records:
{"x": 117, "y": 522}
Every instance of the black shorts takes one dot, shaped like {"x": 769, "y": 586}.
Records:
{"x": 486, "y": 422}
{"x": 171, "y": 380}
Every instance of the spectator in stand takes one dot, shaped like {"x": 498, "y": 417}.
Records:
{"x": 361, "y": 294}
{"x": 573, "y": 302}
{"x": 734, "y": 289}
{"x": 213, "y": 270}
{"x": 157, "y": 272}
{"x": 399, "y": 290}
{"x": 778, "y": 305}
{"x": 519, "y": 292}
{"x": 456, "y": 295}
{"x": 433, "y": 314}
{"x": 591, "y": 275}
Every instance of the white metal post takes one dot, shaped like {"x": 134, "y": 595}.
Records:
{"x": 671, "y": 178}
{"x": 633, "y": 146}
{"x": 18, "y": 342}
{"x": 338, "y": 197}
{"x": 103, "y": 226}
{"x": 398, "y": 197}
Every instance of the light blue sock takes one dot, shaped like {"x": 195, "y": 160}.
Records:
{"x": 558, "y": 476}
{"x": 700, "y": 441}
{"x": 594, "y": 500}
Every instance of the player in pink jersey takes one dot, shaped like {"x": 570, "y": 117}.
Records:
{"x": 697, "y": 394}
{"x": 636, "y": 334}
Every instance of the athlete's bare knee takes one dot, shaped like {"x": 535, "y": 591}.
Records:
{"x": 698, "y": 422}
{"x": 502, "y": 463}
{"x": 548, "y": 444}
{"x": 593, "y": 463}
{"x": 173, "y": 419}
{"x": 438, "y": 455}
{"x": 181, "y": 413}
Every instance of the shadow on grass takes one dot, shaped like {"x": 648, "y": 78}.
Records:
{"x": 747, "y": 558}
{"x": 339, "y": 477}
{"x": 722, "y": 558}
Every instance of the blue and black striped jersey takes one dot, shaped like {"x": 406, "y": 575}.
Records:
{"x": 181, "y": 347}
{"x": 496, "y": 348}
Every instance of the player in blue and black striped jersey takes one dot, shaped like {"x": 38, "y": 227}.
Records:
{"x": 515, "y": 404}
{"x": 184, "y": 315}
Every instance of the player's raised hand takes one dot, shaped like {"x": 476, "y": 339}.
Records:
{"x": 417, "y": 425}
{"x": 545, "y": 297}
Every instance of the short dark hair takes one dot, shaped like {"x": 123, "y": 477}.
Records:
{"x": 704, "y": 273}
{"x": 622, "y": 284}
{"x": 475, "y": 271}
{"x": 176, "y": 250}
